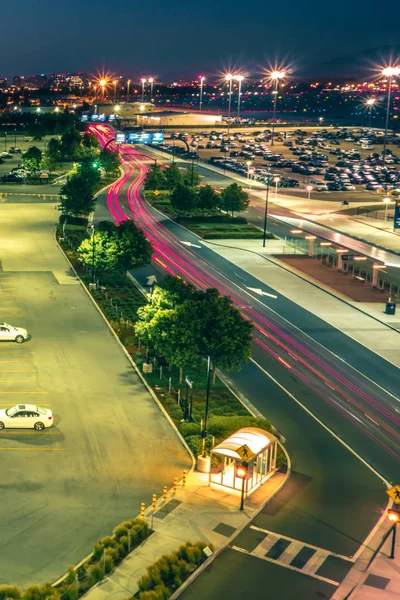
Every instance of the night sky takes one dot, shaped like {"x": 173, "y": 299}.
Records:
{"x": 178, "y": 38}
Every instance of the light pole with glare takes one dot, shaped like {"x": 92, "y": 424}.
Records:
{"x": 266, "y": 208}
{"x": 239, "y": 79}
{"x": 115, "y": 90}
{"x": 276, "y": 180}
{"x": 127, "y": 94}
{"x": 387, "y": 202}
{"x": 229, "y": 78}
{"x": 309, "y": 190}
{"x": 241, "y": 473}
{"x": 370, "y": 103}
{"x": 248, "y": 163}
{"x": 151, "y": 82}
{"x": 201, "y": 92}
{"x": 275, "y": 76}
{"x": 388, "y": 72}
{"x": 103, "y": 83}
{"x": 143, "y": 82}
{"x": 394, "y": 517}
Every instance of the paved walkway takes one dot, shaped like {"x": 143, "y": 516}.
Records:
{"x": 196, "y": 513}
{"x": 334, "y": 308}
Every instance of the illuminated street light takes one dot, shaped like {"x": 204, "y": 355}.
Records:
{"x": 276, "y": 180}
{"x": 103, "y": 84}
{"x": 387, "y": 202}
{"x": 241, "y": 473}
{"x": 151, "y": 82}
{"x": 393, "y": 516}
{"x": 309, "y": 189}
{"x": 229, "y": 78}
{"x": 117, "y": 108}
{"x": 388, "y": 72}
{"x": 115, "y": 89}
{"x": 370, "y": 103}
{"x": 202, "y": 78}
{"x": 143, "y": 82}
{"x": 239, "y": 79}
{"x": 127, "y": 94}
{"x": 275, "y": 76}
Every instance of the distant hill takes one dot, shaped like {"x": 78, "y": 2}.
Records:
{"x": 358, "y": 65}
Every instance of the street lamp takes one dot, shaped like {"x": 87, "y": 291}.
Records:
{"x": 229, "y": 78}
{"x": 205, "y": 424}
{"x": 127, "y": 94}
{"x": 248, "y": 163}
{"x": 241, "y": 473}
{"x": 103, "y": 83}
{"x": 151, "y": 81}
{"x": 239, "y": 78}
{"x": 275, "y": 77}
{"x": 276, "y": 180}
{"x": 309, "y": 189}
{"x": 387, "y": 202}
{"x": 266, "y": 208}
{"x": 202, "y": 78}
{"x": 115, "y": 90}
{"x": 388, "y": 72}
{"x": 143, "y": 82}
{"x": 370, "y": 103}
{"x": 394, "y": 517}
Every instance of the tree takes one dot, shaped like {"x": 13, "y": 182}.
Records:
{"x": 206, "y": 198}
{"x": 31, "y": 158}
{"x": 233, "y": 199}
{"x": 191, "y": 177}
{"x": 90, "y": 141}
{"x": 48, "y": 163}
{"x": 110, "y": 161}
{"x": 183, "y": 199}
{"x": 89, "y": 169}
{"x": 53, "y": 150}
{"x": 156, "y": 179}
{"x": 102, "y": 248}
{"x": 70, "y": 142}
{"x": 133, "y": 249}
{"x": 173, "y": 177}
{"x": 77, "y": 197}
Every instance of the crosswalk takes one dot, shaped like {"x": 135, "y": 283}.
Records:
{"x": 298, "y": 556}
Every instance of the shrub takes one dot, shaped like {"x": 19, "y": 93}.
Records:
{"x": 95, "y": 573}
{"x": 43, "y": 592}
{"x": 120, "y": 531}
{"x": 109, "y": 560}
{"x": 188, "y": 429}
{"x": 98, "y": 551}
{"x": 10, "y": 591}
{"x": 107, "y": 541}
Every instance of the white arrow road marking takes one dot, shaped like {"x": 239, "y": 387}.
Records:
{"x": 261, "y": 293}
{"x": 190, "y": 244}
{"x": 152, "y": 279}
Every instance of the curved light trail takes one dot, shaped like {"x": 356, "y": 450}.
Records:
{"x": 365, "y": 405}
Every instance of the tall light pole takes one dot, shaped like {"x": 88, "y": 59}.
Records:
{"x": 143, "y": 82}
{"x": 151, "y": 82}
{"x": 266, "y": 208}
{"x": 275, "y": 76}
{"x": 202, "y": 78}
{"x": 205, "y": 422}
{"x": 127, "y": 94}
{"x": 276, "y": 181}
{"x": 229, "y": 78}
{"x": 309, "y": 190}
{"x": 115, "y": 90}
{"x": 370, "y": 103}
{"x": 388, "y": 72}
{"x": 248, "y": 163}
{"x": 103, "y": 83}
{"x": 239, "y": 79}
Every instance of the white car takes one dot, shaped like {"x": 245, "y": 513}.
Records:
{"x": 26, "y": 416}
{"x": 10, "y": 333}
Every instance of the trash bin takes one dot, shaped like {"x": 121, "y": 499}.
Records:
{"x": 390, "y": 308}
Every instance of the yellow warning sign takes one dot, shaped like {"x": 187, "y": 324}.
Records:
{"x": 156, "y": 192}
{"x": 245, "y": 453}
{"x": 394, "y": 493}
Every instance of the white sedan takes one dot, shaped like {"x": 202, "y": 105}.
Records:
{"x": 10, "y": 333}
{"x": 26, "y": 416}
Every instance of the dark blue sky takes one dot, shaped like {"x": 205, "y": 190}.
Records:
{"x": 181, "y": 38}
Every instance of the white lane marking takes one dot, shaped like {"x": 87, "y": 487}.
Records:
{"x": 371, "y": 419}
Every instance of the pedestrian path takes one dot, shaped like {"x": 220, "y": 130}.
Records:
{"x": 297, "y": 556}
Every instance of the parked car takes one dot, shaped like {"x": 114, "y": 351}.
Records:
{"x": 26, "y": 416}
{"x": 9, "y": 333}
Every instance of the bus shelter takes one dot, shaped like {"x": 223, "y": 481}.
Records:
{"x": 253, "y": 447}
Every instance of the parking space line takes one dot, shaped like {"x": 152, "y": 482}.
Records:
{"x": 8, "y": 431}
{"x": 18, "y": 381}
{"x": 8, "y": 404}
{"x": 24, "y": 392}
{"x": 15, "y": 361}
{"x": 17, "y": 371}
{"x": 35, "y": 449}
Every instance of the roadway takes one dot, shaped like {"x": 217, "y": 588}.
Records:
{"x": 110, "y": 448}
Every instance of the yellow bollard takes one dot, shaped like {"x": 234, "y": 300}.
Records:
{"x": 142, "y": 509}
{"x": 154, "y": 502}
{"x": 175, "y": 484}
{"x": 184, "y": 478}
{"x": 165, "y": 491}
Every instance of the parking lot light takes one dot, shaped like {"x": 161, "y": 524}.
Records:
{"x": 276, "y": 180}
{"x": 309, "y": 188}
{"x": 388, "y": 72}
{"x": 229, "y": 77}
{"x": 143, "y": 80}
{"x": 275, "y": 76}
{"x": 239, "y": 79}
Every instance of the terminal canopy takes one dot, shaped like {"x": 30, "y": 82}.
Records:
{"x": 257, "y": 440}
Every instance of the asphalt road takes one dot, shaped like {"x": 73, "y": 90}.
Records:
{"x": 111, "y": 447}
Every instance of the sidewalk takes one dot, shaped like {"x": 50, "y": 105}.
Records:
{"x": 364, "y": 322}
{"x": 196, "y": 513}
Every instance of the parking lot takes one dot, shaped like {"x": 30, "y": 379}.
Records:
{"x": 331, "y": 162}
{"x": 110, "y": 447}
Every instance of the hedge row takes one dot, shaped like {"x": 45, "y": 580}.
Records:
{"x": 168, "y": 573}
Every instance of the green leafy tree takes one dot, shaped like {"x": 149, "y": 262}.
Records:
{"x": 48, "y": 163}
{"x": 53, "y": 150}
{"x": 31, "y": 158}
{"x": 183, "y": 198}
{"x": 207, "y": 199}
{"x": 89, "y": 169}
{"x": 70, "y": 142}
{"x": 90, "y": 141}
{"x": 133, "y": 248}
{"x": 100, "y": 249}
{"x": 191, "y": 177}
{"x": 110, "y": 161}
{"x": 156, "y": 179}
{"x": 173, "y": 176}
{"x": 77, "y": 197}
{"x": 234, "y": 199}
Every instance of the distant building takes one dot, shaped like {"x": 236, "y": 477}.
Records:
{"x": 177, "y": 119}
{"x": 19, "y": 81}
{"x": 123, "y": 110}
{"x": 3, "y": 83}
